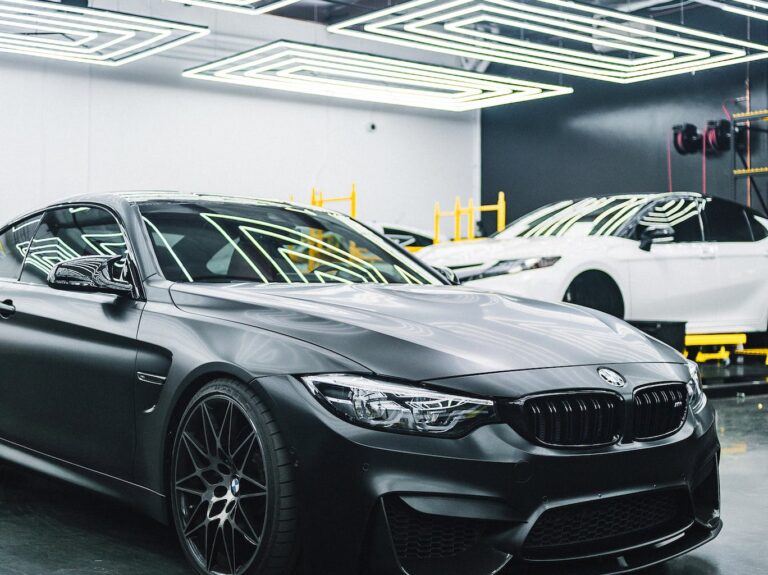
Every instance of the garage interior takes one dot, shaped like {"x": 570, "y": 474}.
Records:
{"x": 668, "y": 97}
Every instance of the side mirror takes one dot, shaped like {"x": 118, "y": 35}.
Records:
{"x": 448, "y": 274}
{"x": 656, "y": 235}
{"x": 104, "y": 274}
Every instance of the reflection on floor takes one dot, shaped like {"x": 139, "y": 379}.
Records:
{"x": 49, "y": 528}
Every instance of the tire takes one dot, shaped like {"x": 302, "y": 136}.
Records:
{"x": 596, "y": 290}
{"x": 232, "y": 485}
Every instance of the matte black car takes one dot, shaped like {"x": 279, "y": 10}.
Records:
{"x": 292, "y": 391}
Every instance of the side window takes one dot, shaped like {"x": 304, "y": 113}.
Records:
{"x": 14, "y": 242}
{"x": 683, "y": 215}
{"x": 759, "y": 225}
{"x": 68, "y": 233}
{"x": 726, "y": 222}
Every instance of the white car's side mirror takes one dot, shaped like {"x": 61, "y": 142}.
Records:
{"x": 656, "y": 235}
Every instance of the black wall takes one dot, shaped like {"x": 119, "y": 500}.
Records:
{"x": 609, "y": 138}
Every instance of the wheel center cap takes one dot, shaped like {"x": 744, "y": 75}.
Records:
{"x": 235, "y": 486}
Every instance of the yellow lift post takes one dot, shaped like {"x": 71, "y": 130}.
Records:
{"x": 720, "y": 340}
{"x": 458, "y": 211}
{"x": 317, "y": 199}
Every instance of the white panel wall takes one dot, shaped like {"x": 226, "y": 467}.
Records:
{"x": 68, "y": 128}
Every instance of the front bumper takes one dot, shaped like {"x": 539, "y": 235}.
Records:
{"x": 378, "y": 503}
{"x": 547, "y": 284}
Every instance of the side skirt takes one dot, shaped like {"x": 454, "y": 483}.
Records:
{"x": 145, "y": 500}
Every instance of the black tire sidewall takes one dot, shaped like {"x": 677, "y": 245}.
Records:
{"x": 237, "y": 392}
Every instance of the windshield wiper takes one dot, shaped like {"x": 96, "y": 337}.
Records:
{"x": 226, "y": 279}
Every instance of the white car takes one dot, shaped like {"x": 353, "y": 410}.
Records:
{"x": 662, "y": 257}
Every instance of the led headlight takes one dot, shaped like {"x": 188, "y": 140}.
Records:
{"x": 513, "y": 266}
{"x": 697, "y": 399}
{"x": 400, "y": 408}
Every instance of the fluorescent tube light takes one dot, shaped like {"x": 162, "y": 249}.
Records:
{"x": 310, "y": 69}
{"x": 638, "y": 48}
{"x": 64, "y": 32}
{"x": 240, "y": 6}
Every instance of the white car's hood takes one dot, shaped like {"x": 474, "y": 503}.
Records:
{"x": 492, "y": 250}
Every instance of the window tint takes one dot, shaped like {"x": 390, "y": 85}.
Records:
{"x": 604, "y": 216}
{"x": 69, "y": 233}
{"x": 406, "y": 238}
{"x": 266, "y": 243}
{"x": 726, "y": 222}
{"x": 14, "y": 242}
{"x": 682, "y": 214}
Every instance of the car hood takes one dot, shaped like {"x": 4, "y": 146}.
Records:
{"x": 424, "y": 333}
{"x": 492, "y": 250}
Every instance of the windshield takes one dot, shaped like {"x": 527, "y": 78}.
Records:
{"x": 265, "y": 242}
{"x": 587, "y": 217}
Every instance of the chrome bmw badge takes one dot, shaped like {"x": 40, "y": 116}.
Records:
{"x": 611, "y": 377}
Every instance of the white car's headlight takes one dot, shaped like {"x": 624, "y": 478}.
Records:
{"x": 512, "y": 267}
{"x": 697, "y": 399}
{"x": 400, "y": 408}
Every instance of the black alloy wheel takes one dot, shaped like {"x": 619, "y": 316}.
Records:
{"x": 232, "y": 493}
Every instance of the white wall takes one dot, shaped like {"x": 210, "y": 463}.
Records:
{"x": 69, "y": 128}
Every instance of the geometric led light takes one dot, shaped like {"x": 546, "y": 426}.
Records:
{"x": 749, "y": 8}
{"x": 64, "y": 32}
{"x": 310, "y": 69}
{"x": 243, "y": 6}
{"x": 591, "y": 42}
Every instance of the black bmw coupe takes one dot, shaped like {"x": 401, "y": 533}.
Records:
{"x": 296, "y": 394}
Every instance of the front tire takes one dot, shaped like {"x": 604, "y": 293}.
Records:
{"x": 232, "y": 485}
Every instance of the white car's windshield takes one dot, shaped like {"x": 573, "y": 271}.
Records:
{"x": 587, "y": 217}
{"x": 266, "y": 242}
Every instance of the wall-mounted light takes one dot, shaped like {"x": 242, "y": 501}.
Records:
{"x": 343, "y": 74}
{"x": 67, "y": 32}
{"x": 242, "y": 6}
{"x": 592, "y": 42}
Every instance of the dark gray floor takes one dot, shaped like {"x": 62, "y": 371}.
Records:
{"x": 49, "y": 528}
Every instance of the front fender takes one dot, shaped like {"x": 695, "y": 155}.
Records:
{"x": 185, "y": 351}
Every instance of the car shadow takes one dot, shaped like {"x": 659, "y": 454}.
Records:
{"x": 48, "y": 526}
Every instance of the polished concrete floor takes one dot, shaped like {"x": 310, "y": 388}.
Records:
{"x": 49, "y": 528}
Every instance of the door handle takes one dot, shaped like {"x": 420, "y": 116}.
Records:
{"x": 708, "y": 252}
{"x": 7, "y": 309}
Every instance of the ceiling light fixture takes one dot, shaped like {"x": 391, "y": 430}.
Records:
{"x": 67, "y": 32}
{"x": 310, "y": 69}
{"x": 242, "y": 6}
{"x": 642, "y": 48}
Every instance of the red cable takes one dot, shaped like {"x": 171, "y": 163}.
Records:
{"x": 726, "y": 111}
{"x": 704, "y": 162}
{"x": 669, "y": 165}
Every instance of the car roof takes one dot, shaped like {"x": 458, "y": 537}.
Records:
{"x": 150, "y": 196}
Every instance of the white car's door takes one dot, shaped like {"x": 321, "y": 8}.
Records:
{"x": 672, "y": 281}
{"x": 739, "y": 240}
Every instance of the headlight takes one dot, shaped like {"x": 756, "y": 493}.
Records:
{"x": 697, "y": 399}
{"x": 512, "y": 267}
{"x": 401, "y": 408}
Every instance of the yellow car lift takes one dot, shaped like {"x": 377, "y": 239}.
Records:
{"x": 758, "y": 351}
{"x": 720, "y": 340}
{"x": 317, "y": 199}
{"x": 500, "y": 207}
